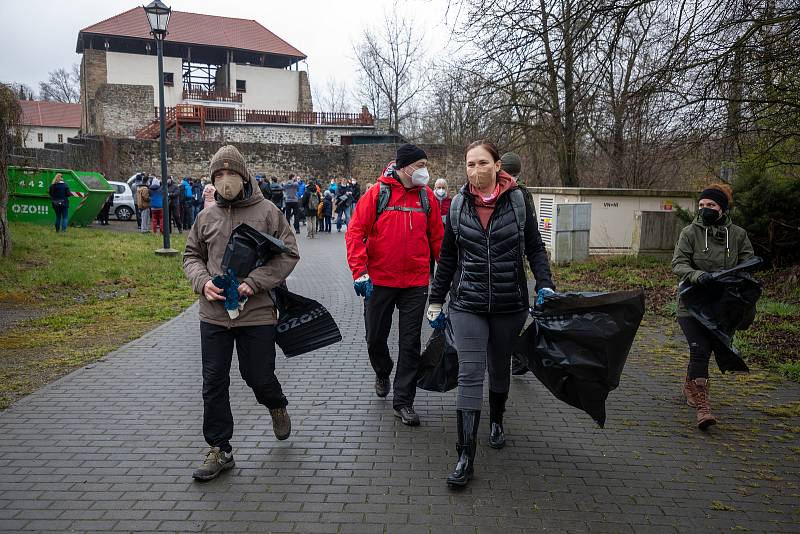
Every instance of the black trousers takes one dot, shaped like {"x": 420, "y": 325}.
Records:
{"x": 175, "y": 216}
{"x": 255, "y": 346}
{"x": 410, "y": 302}
{"x": 701, "y": 343}
{"x": 186, "y": 215}
{"x": 293, "y": 209}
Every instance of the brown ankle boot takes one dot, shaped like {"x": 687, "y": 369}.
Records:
{"x": 689, "y": 392}
{"x": 704, "y": 417}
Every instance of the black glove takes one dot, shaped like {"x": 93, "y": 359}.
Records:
{"x": 705, "y": 279}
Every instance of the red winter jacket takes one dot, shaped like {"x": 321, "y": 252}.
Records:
{"x": 396, "y": 249}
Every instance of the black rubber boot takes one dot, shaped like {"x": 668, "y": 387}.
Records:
{"x": 468, "y": 421}
{"x": 518, "y": 367}
{"x": 497, "y": 405}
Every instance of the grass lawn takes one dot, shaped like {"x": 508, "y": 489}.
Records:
{"x": 85, "y": 293}
{"x": 773, "y": 341}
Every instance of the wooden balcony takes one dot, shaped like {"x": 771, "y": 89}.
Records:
{"x": 211, "y": 96}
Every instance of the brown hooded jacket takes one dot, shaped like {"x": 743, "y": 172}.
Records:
{"x": 205, "y": 247}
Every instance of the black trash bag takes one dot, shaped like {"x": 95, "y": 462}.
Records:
{"x": 724, "y": 306}
{"x": 578, "y": 343}
{"x": 249, "y": 249}
{"x": 303, "y": 324}
{"x": 438, "y": 368}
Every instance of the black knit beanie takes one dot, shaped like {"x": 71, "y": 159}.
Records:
{"x": 408, "y": 154}
{"x": 717, "y": 196}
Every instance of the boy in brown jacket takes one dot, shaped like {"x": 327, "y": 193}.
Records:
{"x": 238, "y": 200}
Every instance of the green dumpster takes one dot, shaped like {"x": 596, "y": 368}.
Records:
{"x": 29, "y": 199}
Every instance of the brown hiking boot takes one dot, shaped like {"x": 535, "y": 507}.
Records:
{"x": 689, "y": 392}
{"x": 704, "y": 417}
{"x": 281, "y": 424}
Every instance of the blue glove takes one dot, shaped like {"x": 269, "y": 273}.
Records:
{"x": 363, "y": 286}
{"x": 542, "y": 294}
{"x": 436, "y": 317}
{"x": 229, "y": 284}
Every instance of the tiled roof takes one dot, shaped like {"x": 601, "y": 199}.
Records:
{"x": 56, "y": 114}
{"x": 197, "y": 29}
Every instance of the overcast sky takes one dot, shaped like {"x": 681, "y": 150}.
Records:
{"x": 43, "y": 33}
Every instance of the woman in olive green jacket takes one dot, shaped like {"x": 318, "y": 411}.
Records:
{"x": 711, "y": 243}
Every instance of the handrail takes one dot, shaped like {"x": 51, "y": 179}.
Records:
{"x": 195, "y": 112}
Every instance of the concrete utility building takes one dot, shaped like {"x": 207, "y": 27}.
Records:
{"x": 222, "y": 76}
{"x": 49, "y": 122}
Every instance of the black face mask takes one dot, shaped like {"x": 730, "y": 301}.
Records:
{"x": 710, "y": 215}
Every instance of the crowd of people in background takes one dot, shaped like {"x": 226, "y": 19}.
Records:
{"x": 185, "y": 197}
{"x": 316, "y": 202}
{"x": 312, "y": 201}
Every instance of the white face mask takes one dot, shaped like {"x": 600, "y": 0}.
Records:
{"x": 420, "y": 177}
{"x": 440, "y": 193}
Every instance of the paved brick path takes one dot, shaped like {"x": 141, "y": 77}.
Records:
{"x": 111, "y": 447}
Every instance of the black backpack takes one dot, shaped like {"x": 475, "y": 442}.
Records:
{"x": 385, "y": 194}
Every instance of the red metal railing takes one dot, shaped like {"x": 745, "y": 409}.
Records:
{"x": 196, "y": 94}
{"x": 197, "y": 113}
{"x": 215, "y": 114}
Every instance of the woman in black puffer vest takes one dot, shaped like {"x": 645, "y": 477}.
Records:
{"x": 482, "y": 266}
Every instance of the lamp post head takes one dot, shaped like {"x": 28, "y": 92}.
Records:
{"x": 158, "y": 18}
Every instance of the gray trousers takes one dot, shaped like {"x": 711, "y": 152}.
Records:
{"x": 481, "y": 340}
{"x": 145, "y": 220}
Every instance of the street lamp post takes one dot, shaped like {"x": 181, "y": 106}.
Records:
{"x": 158, "y": 18}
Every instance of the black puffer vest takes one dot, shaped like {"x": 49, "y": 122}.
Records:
{"x": 491, "y": 273}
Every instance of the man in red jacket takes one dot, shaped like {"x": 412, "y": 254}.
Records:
{"x": 394, "y": 232}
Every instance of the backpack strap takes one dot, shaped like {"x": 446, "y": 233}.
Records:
{"x": 518, "y": 203}
{"x": 385, "y": 193}
{"x": 423, "y": 200}
{"x": 455, "y": 213}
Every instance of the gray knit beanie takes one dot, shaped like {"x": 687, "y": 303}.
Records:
{"x": 510, "y": 163}
{"x": 228, "y": 157}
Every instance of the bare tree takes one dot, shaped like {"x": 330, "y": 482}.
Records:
{"x": 61, "y": 85}
{"x": 332, "y": 97}
{"x": 391, "y": 60}
{"x": 367, "y": 94}
{"x": 10, "y": 136}
{"x": 538, "y": 55}
{"x": 626, "y": 93}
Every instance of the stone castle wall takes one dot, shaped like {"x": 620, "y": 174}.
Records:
{"x": 119, "y": 158}
{"x": 93, "y": 75}
{"x": 270, "y": 133}
{"x": 122, "y": 110}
